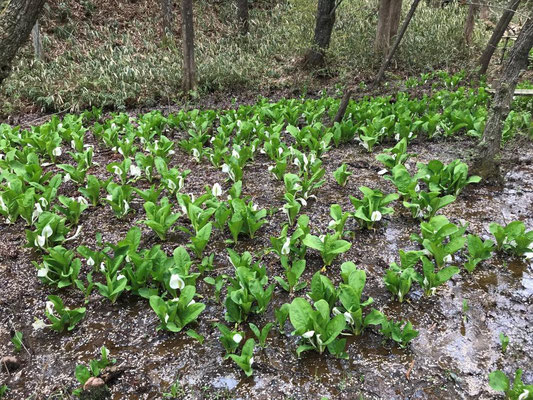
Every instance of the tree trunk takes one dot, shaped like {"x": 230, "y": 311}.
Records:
{"x": 17, "y": 18}
{"x": 382, "y": 41}
{"x": 189, "y": 66}
{"x": 166, "y": 17}
{"x": 37, "y": 43}
{"x": 499, "y": 30}
{"x": 487, "y": 164}
{"x": 484, "y": 12}
{"x": 342, "y": 107}
{"x": 325, "y": 19}
{"x": 395, "y": 16}
{"x": 242, "y": 16}
{"x": 396, "y": 42}
{"x": 469, "y": 24}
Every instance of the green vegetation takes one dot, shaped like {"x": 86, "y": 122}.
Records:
{"x": 92, "y": 59}
{"x": 142, "y": 186}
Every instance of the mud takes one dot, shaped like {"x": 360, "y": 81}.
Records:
{"x": 450, "y": 359}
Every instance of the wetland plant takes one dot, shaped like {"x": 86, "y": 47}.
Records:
{"x": 399, "y": 278}
{"x": 84, "y": 373}
{"x": 49, "y": 230}
{"x": 119, "y": 198}
{"x": 317, "y": 329}
{"x": 17, "y": 341}
{"x": 350, "y": 292}
{"x": 432, "y": 276}
{"x": 424, "y": 205}
{"x": 292, "y": 245}
{"x": 247, "y": 291}
{"x": 396, "y": 155}
{"x": 61, "y": 317}
{"x": 440, "y": 239}
{"x": 338, "y": 220}
{"x": 372, "y": 207}
{"x": 518, "y": 391}
{"x": 245, "y": 359}
{"x": 341, "y": 174}
{"x": 401, "y": 332}
{"x": 176, "y": 314}
{"x": 293, "y": 272}
{"x": 513, "y": 238}
{"x": 71, "y": 208}
{"x": 159, "y": 217}
{"x": 504, "y": 341}
{"x": 291, "y": 208}
{"x": 261, "y": 334}
{"x": 59, "y": 267}
{"x": 446, "y": 179}
{"x": 478, "y": 250}
{"x": 92, "y": 189}
{"x": 322, "y": 289}
{"x": 329, "y": 246}
{"x": 230, "y": 339}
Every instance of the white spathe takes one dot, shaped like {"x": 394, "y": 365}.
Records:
{"x": 176, "y": 282}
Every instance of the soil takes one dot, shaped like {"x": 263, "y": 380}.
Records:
{"x": 450, "y": 359}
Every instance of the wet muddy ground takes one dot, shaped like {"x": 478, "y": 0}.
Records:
{"x": 450, "y": 359}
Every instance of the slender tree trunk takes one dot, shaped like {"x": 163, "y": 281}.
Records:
{"x": 342, "y": 107}
{"x": 399, "y": 37}
{"x": 484, "y": 12}
{"x": 37, "y": 43}
{"x": 469, "y": 24}
{"x": 382, "y": 41}
{"x": 395, "y": 16}
{"x": 499, "y": 30}
{"x": 242, "y": 16}
{"x": 325, "y": 19}
{"x": 17, "y": 18}
{"x": 189, "y": 66}
{"x": 487, "y": 164}
{"x": 166, "y": 17}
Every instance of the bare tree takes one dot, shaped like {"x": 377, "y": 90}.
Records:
{"x": 388, "y": 22}
{"x": 325, "y": 19}
{"x": 487, "y": 164}
{"x": 37, "y": 42}
{"x": 189, "y": 65}
{"x": 497, "y": 34}
{"x": 397, "y": 41}
{"x": 395, "y": 16}
{"x": 17, "y": 18}
{"x": 242, "y": 16}
{"x": 166, "y": 17}
{"x": 470, "y": 22}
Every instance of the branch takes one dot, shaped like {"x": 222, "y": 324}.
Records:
{"x": 332, "y": 13}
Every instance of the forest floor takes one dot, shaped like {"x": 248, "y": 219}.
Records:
{"x": 457, "y": 346}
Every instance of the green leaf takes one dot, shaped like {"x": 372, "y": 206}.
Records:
{"x": 195, "y": 335}
{"x": 82, "y": 374}
{"x": 314, "y": 242}
{"x": 499, "y": 381}
{"x": 299, "y": 313}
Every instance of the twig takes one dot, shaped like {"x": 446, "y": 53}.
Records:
{"x": 7, "y": 369}
{"x": 47, "y": 115}
{"x": 408, "y": 373}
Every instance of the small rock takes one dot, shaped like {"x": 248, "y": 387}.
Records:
{"x": 10, "y": 363}
{"x": 93, "y": 383}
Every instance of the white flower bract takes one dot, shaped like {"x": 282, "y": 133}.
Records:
{"x": 176, "y": 282}
{"x": 376, "y": 216}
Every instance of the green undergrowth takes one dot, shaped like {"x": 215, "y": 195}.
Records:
{"x": 93, "y": 58}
